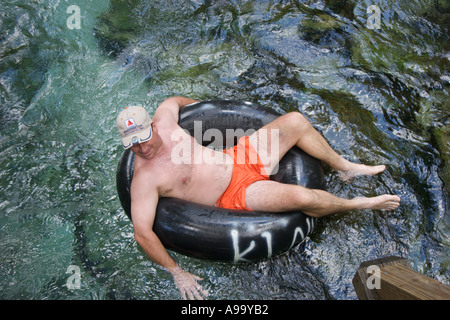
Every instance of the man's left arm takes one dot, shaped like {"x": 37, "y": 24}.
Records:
{"x": 171, "y": 107}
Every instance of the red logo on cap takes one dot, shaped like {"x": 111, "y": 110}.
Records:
{"x": 130, "y": 123}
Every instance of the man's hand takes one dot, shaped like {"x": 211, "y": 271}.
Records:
{"x": 187, "y": 284}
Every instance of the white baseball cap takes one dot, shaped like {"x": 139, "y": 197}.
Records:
{"x": 135, "y": 126}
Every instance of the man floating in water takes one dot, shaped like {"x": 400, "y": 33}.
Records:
{"x": 240, "y": 181}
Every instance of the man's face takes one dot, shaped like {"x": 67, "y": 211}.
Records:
{"x": 145, "y": 149}
{"x": 148, "y": 149}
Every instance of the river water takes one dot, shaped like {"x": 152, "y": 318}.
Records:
{"x": 377, "y": 90}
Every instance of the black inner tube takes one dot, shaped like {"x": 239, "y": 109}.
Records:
{"x": 222, "y": 234}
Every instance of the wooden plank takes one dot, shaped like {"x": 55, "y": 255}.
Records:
{"x": 396, "y": 281}
{"x": 399, "y": 282}
{"x": 361, "y": 276}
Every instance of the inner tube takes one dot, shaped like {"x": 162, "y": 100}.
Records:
{"x": 213, "y": 233}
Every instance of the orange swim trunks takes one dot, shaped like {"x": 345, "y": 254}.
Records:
{"x": 247, "y": 168}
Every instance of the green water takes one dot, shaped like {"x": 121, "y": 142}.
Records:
{"x": 378, "y": 96}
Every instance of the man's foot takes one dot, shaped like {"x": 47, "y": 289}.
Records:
{"x": 355, "y": 169}
{"x": 383, "y": 202}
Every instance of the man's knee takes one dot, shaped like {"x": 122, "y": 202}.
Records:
{"x": 297, "y": 120}
{"x": 306, "y": 200}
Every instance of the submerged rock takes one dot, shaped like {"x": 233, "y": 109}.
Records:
{"x": 116, "y": 28}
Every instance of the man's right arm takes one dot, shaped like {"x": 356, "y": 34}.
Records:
{"x": 143, "y": 211}
{"x": 171, "y": 108}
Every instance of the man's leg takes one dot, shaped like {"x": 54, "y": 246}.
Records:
{"x": 273, "y": 196}
{"x": 295, "y": 130}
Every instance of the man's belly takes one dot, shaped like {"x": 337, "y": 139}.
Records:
{"x": 206, "y": 184}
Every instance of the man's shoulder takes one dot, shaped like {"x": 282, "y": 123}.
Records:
{"x": 166, "y": 111}
{"x": 144, "y": 178}
{"x": 165, "y": 121}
